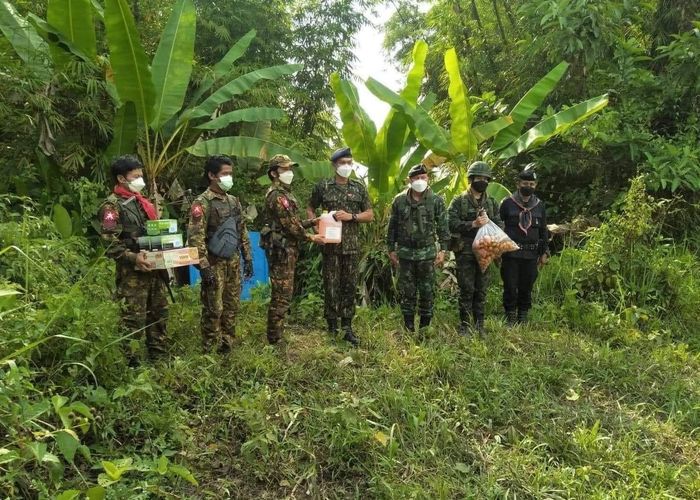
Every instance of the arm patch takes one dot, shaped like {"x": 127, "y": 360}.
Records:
{"x": 110, "y": 219}
{"x": 197, "y": 211}
{"x": 284, "y": 202}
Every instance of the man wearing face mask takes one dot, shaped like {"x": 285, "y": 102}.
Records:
{"x": 526, "y": 224}
{"x": 350, "y": 201}
{"x": 123, "y": 218}
{"x": 417, "y": 238}
{"x": 281, "y": 237}
{"x": 218, "y": 230}
{"x": 467, "y": 213}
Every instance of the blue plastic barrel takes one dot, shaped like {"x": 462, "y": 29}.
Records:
{"x": 260, "y": 271}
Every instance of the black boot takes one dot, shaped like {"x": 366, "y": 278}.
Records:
{"x": 464, "y": 324}
{"x": 479, "y": 326}
{"x": 511, "y": 318}
{"x": 332, "y": 326}
{"x": 349, "y": 334}
{"x": 425, "y": 321}
{"x": 408, "y": 322}
{"x": 522, "y": 316}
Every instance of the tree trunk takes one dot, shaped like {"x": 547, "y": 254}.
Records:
{"x": 509, "y": 13}
{"x": 499, "y": 22}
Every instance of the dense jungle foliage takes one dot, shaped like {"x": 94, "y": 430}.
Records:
{"x": 597, "y": 397}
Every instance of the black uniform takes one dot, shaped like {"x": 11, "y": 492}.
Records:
{"x": 526, "y": 224}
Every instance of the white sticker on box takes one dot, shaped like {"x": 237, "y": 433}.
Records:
{"x": 173, "y": 226}
{"x": 333, "y": 233}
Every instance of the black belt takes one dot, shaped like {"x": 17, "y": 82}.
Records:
{"x": 414, "y": 244}
{"x": 529, "y": 246}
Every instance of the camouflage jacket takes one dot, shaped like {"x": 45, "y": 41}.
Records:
{"x": 208, "y": 211}
{"x": 122, "y": 222}
{"x": 464, "y": 210}
{"x": 416, "y": 226}
{"x": 283, "y": 227}
{"x": 351, "y": 197}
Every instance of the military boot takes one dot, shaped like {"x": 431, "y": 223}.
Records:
{"x": 511, "y": 318}
{"x": 408, "y": 322}
{"x": 479, "y": 326}
{"x": 464, "y": 324}
{"x": 522, "y": 316}
{"x": 425, "y": 321}
{"x": 349, "y": 334}
{"x": 332, "y": 326}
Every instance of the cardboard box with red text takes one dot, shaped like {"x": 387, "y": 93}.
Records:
{"x": 173, "y": 258}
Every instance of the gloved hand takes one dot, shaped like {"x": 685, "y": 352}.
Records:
{"x": 247, "y": 269}
{"x": 208, "y": 277}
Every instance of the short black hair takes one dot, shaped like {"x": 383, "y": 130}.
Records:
{"x": 214, "y": 163}
{"x": 124, "y": 164}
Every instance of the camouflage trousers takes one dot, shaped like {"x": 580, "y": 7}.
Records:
{"x": 472, "y": 286}
{"x": 281, "y": 263}
{"x": 340, "y": 275}
{"x": 220, "y": 303}
{"x": 144, "y": 305}
{"x": 416, "y": 283}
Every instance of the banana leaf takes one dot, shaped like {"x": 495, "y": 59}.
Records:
{"x": 74, "y": 20}
{"x": 243, "y": 115}
{"x": 25, "y": 40}
{"x": 487, "y": 130}
{"x": 131, "y": 73}
{"x": 172, "y": 63}
{"x": 392, "y": 136}
{"x": 428, "y": 133}
{"x": 223, "y": 67}
{"x": 124, "y": 131}
{"x": 252, "y": 147}
{"x": 460, "y": 108}
{"x": 527, "y": 105}
{"x": 359, "y": 130}
{"x": 240, "y": 85}
{"x": 555, "y": 125}
{"x": 56, "y": 40}
{"x": 497, "y": 191}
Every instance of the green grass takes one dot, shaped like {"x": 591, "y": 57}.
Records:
{"x": 537, "y": 411}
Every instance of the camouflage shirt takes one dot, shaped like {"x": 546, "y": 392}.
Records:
{"x": 416, "y": 226}
{"x": 208, "y": 211}
{"x": 464, "y": 210}
{"x": 281, "y": 215}
{"x": 122, "y": 221}
{"x": 351, "y": 197}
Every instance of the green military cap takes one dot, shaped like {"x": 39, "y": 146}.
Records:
{"x": 417, "y": 170}
{"x": 479, "y": 168}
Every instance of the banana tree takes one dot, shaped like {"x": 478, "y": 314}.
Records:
{"x": 152, "y": 97}
{"x": 382, "y": 151}
{"x": 464, "y": 142}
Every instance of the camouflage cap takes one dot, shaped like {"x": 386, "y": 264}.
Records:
{"x": 280, "y": 160}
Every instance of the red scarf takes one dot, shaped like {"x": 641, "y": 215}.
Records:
{"x": 143, "y": 201}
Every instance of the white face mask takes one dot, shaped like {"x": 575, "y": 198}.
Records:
{"x": 419, "y": 185}
{"x": 137, "y": 185}
{"x": 344, "y": 170}
{"x": 286, "y": 177}
{"x": 225, "y": 182}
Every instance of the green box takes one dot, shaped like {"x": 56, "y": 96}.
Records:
{"x": 161, "y": 226}
{"x": 160, "y": 242}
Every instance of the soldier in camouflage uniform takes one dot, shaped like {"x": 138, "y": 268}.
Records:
{"x": 350, "y": 201}
{"x": 221, "y": 273}
{"x": 281, "y": 238}
{"x": 141, "y": 290}
{"x": 467, "y": 213}
{"x": 417, "y": 226}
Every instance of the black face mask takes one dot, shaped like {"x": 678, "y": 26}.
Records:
{"x": 527, "y": 191}
{"x": 480, "y": 186}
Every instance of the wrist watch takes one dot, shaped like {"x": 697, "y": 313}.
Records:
{"x": 354, "y": 217}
